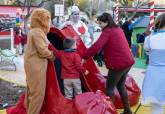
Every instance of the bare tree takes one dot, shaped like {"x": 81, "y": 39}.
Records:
{"x": 138, "y": 4}
{"x": 133, "y": 4}
{"x": 27, "y": 6}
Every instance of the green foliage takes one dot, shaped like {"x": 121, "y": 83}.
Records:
{"x": 14, "y": 4}
{"x": 69, "y": 3}
{"x": 34, "y": 0}
{"x": 123, "y": 3}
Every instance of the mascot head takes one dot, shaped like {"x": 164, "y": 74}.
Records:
{"x": 41, "y": 18}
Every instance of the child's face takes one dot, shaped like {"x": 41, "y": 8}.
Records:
{"x": 74, "y": 46}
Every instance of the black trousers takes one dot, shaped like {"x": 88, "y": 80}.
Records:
{"x": 117, "y": 79}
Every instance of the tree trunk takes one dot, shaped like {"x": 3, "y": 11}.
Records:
{"x": 26, "y": 25}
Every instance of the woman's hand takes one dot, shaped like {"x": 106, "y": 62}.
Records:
{"x": 86, "y": 72}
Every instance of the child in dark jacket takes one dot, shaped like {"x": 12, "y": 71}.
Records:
{"x": 71, "y": 67}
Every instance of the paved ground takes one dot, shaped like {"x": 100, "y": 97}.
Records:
{"x": 18, "y": 76}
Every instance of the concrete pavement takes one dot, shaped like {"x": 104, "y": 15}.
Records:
{"x": 18, "y": 76}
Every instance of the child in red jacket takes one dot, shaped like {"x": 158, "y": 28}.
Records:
{"x": 72, "y": 68}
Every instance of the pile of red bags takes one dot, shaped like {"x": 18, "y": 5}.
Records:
{"x": 55, "y": 103}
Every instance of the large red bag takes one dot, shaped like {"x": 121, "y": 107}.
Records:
{"x": 55, "y": 103}
{"x": 94, "y": 103}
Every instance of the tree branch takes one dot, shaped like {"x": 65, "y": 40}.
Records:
{"x": 43, "y": 1}
{"x": 125, "y": 2}
{"x": 24, "y": 6}
{"x": 121, "y": 2}
{"x": 19, "y": 3}
{"x": 139, "y": 4}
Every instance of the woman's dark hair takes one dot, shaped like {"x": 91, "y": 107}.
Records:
{"x": 106, "y": 17}
{"x": 68, "y": 43}
{"x": 160, "y": 22}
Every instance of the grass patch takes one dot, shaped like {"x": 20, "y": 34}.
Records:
{"x": 140, "y": 63}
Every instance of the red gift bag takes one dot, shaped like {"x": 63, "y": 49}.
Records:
{"x": 94, "y": 103}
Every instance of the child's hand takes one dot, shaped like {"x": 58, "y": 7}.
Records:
{"x": 83, "y": 61}
{"x": 86, "y": 72}
{"x": 51, "y": 57}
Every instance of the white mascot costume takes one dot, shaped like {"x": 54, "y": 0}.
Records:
{"x": 79, "y": 27}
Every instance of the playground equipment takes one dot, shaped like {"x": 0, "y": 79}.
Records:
{"x": 117, "y": 11}
{"x": 7, "y": 60}
{"x": 151, "y": 14}
{"x": 7, "y": 56}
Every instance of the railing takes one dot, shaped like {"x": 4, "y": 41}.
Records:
{"x": 7, "y": 60}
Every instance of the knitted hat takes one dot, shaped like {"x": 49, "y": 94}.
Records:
{"x": 75, "y": 9}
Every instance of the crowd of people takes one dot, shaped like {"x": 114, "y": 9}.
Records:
{"x": 20, "y": 40}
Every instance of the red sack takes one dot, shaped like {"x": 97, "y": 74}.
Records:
{"x": 132, "y": 90}
{"x": 94, "y": 103}
{"x": 19, "y": 108}
{"x": 55, "y": 103}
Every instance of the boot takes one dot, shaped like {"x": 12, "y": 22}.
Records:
{"x": 127, "y": 112}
